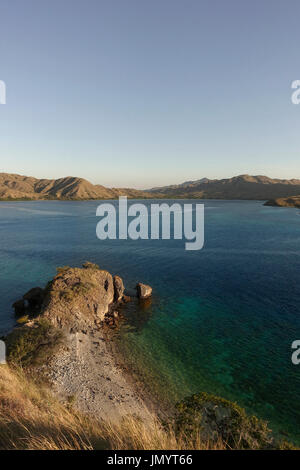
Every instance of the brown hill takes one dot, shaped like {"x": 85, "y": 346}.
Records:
{"x": 238, "y": 187}
{"x": 245, "y": 187}
{"x": 69, "y": 188}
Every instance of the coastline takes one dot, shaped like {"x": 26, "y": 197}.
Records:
{"x": 154, "y": 401}
{"x": 88, "y": 373}
{"x": 72, "y": 320}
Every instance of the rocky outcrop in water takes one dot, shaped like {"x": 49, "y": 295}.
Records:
{"x": 284, "y": 202}
{"x": 78, "y": 297}
{"x": 143, "y": 291}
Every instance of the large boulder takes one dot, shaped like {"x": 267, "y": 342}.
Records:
{"x": 78, "y": 297}
{"x": 143, "y": 290}
{"x": 118, "y": 288}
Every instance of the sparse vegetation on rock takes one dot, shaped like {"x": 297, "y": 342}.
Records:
{"x": 33, "y": 344}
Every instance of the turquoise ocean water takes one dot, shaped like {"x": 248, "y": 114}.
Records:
{"x": 221, "y": 320}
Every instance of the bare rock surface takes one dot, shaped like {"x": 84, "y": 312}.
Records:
{"x": 119, "y": 288}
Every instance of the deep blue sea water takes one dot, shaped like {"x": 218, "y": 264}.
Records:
{"x": 221, "y": 320}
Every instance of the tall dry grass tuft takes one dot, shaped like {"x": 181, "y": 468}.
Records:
{"x": 132, "y": 433}
{"x": 31, "y": 418}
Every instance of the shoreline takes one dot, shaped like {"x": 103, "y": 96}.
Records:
{"x": 155, "y": 402}
{"x": 74, "y": 318}
{"x": 91, "y": 371}
{"x": 87, "y": 373}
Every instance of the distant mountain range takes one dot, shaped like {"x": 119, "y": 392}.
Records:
{"x": 238, "y": 187}
{"x": 14, "y": 187}
{"x": 246, "y": 187}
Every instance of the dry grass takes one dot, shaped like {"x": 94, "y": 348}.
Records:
{"x": 31, "y": 418}
{"x": 134, "y": 434}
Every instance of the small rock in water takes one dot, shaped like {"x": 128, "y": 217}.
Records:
{"x": 143, "y": 291}
{"x": 118, "y": 288}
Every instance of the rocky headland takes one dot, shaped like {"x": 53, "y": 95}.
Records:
{"x": 69, "y": 324}
{"x": 285, "y": 202}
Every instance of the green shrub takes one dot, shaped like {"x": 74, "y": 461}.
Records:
{"x": 62, "y": 269}
{"x": 81, "y": 288}
{"x": 89, "y": 265}
{"x": 67, "y": 295}
{"x": 28, "y": 346}
{"x": 71, "y": 400}
{"x": 215, "y": 418}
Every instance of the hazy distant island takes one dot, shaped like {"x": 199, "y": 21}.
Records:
{"x": 244, "y": 187}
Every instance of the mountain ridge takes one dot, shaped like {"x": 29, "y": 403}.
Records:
{"x": 245, "y": 186}
{"x": 13, "y": 187}
{"x": 242, "y": 187}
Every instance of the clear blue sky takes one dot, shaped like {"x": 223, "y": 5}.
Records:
{"x": 148, "y": 92}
